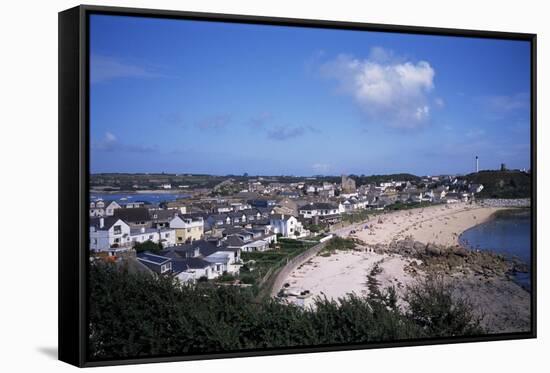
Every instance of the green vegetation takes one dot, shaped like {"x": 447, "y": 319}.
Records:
{"x": 407, "y": 206}
{"x": 134, "y": 315}
{"x": 147, "y": 246}
{"x": 433, "y": 307}
{"x": 502, "y": 184}
{"x": 357, "y": 216}
{"x": 338, "y": 243}
{"x": 260, "y": 265}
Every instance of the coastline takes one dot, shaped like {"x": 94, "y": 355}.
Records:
{"x": 135, "y": 192}
{"x": 439, "y": 224}
{"x": 425, "y": 247}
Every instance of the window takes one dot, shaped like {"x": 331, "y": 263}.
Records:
{"x": 117, "y": 229}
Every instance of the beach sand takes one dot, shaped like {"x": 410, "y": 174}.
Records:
{"x": 504, "y": 304}
{"x": 346, "y": 272}
{"x": 440, "y": 224}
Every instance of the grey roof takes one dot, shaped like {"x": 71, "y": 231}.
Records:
{"x": 319, "y": 206}
{"x": 138, "y": 214}
{"x": 233, "y": 241}
{"x": 180, "y": 265}
{"x": 157, "y": 259}
{"x": 280, "y": 216}
{"x": 108, "y": 222}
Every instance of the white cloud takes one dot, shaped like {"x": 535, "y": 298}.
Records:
{"x": 385, "y": 87}
{"x": 105, "y": 68}
{"x": 110, "y": 143}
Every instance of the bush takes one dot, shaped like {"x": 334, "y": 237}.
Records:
{"x": 433, "y": 307}
{"x": 147, "y": 246}
{"x": 138, "y": 315}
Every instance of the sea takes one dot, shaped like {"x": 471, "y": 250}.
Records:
{"x": 509, "y": 234}
{"x": 152, "y": 198}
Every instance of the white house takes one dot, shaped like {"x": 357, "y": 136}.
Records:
{"x": 166, "y": 236}
{"x": 287, "y": 226}
{"x": 103, "y": 208}
{"x": 321, "y": 209}
{"x": 109, "y": 232}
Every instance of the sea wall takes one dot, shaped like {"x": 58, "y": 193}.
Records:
{"x": 276, "y": 283}
{"x": 501, "y": 202}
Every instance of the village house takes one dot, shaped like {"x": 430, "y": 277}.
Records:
{"x": 134, "y": 217}
{"x": 156, "y": 263}
{"x": 287, "y": 225}
{"x": 188, "y": 229}
{"x": 107, "y": 233}
{"x": 322, "y": 210}
{"x": 164, "y": 236}
{"x": 103, "y": 208}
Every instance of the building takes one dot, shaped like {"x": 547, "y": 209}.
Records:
{"x": 188, "y": 229}
{"x": 109, "y": 234}
{"x": 322, "y": 210}
{"x": 103, "y": 208}
{"x": 156, "y": 263}
{"x": 348, "y": 184}
{"x": 165, "y": 236}
{"x": 287, "y": 225}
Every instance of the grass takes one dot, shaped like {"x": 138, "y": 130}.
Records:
{"x": 258, "y": 264}
{"x": 338, "y": 243}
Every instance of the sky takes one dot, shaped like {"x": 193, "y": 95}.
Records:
{"x": 182, "y": 96}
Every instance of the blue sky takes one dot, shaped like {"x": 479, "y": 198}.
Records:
{"x": 219, "y": 98}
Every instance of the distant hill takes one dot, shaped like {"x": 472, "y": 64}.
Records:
{"x": 502, "y": 184}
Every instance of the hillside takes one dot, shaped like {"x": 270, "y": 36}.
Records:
{"x": 502, "y": 184}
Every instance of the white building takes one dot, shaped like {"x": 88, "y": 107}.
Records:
{"x": 165, "y": 236}
{"x": 109, "y": 233}
{"x": 319, "y": 209}
{"x": 103, "y": 208}
{"x": 287, "y": 226}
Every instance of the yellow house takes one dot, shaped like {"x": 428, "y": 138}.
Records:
{"x": 187, "y": 229}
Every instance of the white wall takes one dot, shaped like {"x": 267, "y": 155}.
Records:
{"x": 28, "y": 136}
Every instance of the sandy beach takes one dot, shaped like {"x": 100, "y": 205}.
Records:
{"x": 440, "y": 224}
{"x": 344, "y": 272}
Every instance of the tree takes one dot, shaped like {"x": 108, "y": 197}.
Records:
{"x": 147, "y": 246}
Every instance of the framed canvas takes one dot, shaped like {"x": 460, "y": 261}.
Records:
{"x": 235, "y": 186}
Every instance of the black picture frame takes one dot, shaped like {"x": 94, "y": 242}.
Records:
{"x": 74, "y": 147}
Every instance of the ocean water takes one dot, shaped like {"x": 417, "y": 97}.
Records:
{"x": 507, "y": 234}
{"x": 153, "y": 198}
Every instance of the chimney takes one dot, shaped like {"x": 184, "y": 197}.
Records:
{"x": 101, "y": 223}
{"x": 142, "y": 229}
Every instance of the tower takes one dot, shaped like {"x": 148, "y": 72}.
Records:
{"x": 477, "y": 163}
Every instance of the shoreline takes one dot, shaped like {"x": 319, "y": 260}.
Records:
{"x": 399, "y": 258}
{"x": 426, "y": 225}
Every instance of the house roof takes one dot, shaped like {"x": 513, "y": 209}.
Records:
{"x": 319, "y": 206}
{"x": 153, "y": 258}
{"x": 281, "y": 216}
{"x": 108, "y": 222}
{"x": 162, "y": 215}
{"x": 133, "y": 215}
{"x": 233, "y": 241}
{"x": 181, "y": 265}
